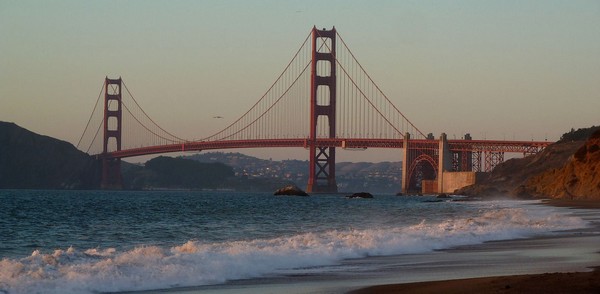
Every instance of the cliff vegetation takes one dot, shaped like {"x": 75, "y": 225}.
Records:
{"x": 177, "y": 173}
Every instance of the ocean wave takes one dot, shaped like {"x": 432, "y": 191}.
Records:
{"x": 195, "y": 263}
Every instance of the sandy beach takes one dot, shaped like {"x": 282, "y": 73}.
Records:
{"x": 553, "y": 281}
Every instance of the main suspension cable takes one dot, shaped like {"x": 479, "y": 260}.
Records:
{"x": 91, "y": 115}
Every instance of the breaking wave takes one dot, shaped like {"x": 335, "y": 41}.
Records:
{"x": 196, "y": 263}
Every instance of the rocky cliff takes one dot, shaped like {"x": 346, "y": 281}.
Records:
{"x": 579, "y": 178}
{"x": 32, "y": 161}
{"x": 566, "y": 169}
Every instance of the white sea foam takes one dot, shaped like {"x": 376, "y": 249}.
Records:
{"x": 197, "y": 263}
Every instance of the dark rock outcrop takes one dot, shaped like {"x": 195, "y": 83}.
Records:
{"x": 360, "y": 195}
{"x": 290, "y": 190}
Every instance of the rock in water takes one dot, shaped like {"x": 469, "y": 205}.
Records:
{"x": 360, "y": 195}
{"x": 290, "y": 190}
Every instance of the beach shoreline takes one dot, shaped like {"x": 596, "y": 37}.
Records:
{"x": 549, "y": 282}
{"x": 502, "y": 266}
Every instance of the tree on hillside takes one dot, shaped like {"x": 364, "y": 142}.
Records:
{"x": 179, "y": 172}
{"x": 579, "y": 134}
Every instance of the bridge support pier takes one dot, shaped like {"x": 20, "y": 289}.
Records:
{"x": 419, "y": 165}
{"x": 444, "y": 161}
{"x": 113, "y": 113}
{"x": 111, "y": 174}
{"x": 321, "y": 176}
{"x": 405, "y": 164}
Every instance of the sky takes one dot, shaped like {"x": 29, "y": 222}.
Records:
{"x": 523, "y": 70}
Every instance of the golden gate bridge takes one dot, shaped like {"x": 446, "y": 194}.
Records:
{"x": 322, "y": 100}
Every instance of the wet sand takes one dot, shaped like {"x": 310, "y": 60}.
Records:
{"x": 580, "y": 282}
{"x": 581, "y": 204}
{"x": 562, "y": 281}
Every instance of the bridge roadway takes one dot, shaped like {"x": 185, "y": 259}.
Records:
{"x": 524, "y": 147}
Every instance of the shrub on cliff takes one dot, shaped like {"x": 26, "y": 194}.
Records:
{"x": 578, "y": 135}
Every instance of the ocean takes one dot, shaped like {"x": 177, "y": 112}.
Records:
{"x": 119, "y": 241}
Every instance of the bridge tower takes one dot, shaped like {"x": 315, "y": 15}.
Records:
{"x": 322, "y": 105}
{"x": 113, "y": 113}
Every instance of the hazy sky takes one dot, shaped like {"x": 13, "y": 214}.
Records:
{"x": 495, "y": 69}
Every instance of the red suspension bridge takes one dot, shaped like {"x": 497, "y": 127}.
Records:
{"x": 323, "y": 100}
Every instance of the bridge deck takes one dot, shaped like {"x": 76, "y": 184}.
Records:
{"x": 349, "y": 143}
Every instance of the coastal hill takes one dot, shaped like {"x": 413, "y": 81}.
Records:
{"x": 176, "y": 173}
{"x": 32, "y": 161}
{"x": 566, "y": 169}
{"x": 381, "y": 177}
